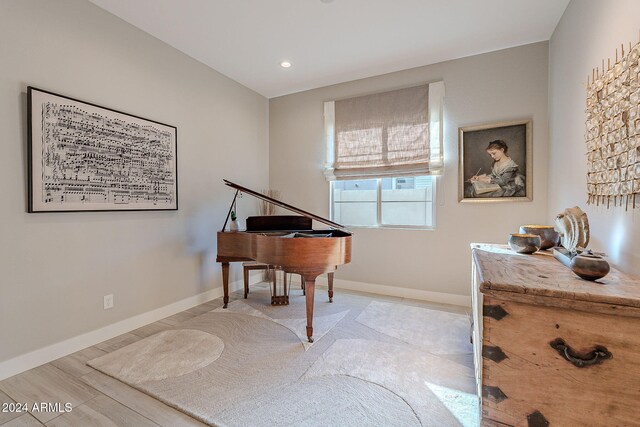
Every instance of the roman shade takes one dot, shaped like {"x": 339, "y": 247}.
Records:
{"x": 394, "y": 133}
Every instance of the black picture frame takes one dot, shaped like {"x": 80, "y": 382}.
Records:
{"x": 83, "y": 157}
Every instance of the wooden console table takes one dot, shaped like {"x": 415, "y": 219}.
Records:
{"x": 551, "y": 348}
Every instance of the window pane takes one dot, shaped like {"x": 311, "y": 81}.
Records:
{"x": 407, "y": 213}
{"x": 357, "y": 213}
{"x": 355, "y": 202}
{"x": 404, "y": 201}
{"x": 407, "y": 201}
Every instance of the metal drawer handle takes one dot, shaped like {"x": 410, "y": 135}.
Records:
{"x": 593, "y": 357}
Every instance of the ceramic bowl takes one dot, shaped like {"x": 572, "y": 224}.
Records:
{"x": 589, "y": 266}
{"x": 524, "y": 243}
{"x": 547, "y": 233}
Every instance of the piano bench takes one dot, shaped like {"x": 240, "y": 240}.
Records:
{"x": 276, "y": 299}
{"x": 252, "y": 265}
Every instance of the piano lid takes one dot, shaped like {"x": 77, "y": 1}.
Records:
{"x": 283, "y": 205}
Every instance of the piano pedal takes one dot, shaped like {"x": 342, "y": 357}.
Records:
{"x": 280, "y": 300}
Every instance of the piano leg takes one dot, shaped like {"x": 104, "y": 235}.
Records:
{"x": 274, "y": 292}
{"x": 330, "y": 280}
{"x": 310, "y": 286}
{"x": 246, "y": 281}
{"x": 225, "y": 283}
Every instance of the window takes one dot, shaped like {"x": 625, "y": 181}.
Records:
{"x": 384, "y": 202}
{"x": 384, "y": 152}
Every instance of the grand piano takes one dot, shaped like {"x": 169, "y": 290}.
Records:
{"x": 286, "y": 242}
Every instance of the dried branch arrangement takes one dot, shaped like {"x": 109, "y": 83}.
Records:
{"x": 266, "y": 208}
{"x": 613, "y": 131}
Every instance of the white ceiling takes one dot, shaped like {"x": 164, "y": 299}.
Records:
{"x": 336, "y": 41}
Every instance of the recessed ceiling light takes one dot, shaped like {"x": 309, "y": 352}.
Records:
{"x": 285, "y": 64}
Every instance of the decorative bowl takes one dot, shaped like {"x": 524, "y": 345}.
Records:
{"x": 589, "y": 266}
{"x": 524, "y": 243}
{"x": 547, "y": 233}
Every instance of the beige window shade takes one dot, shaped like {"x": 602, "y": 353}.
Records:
{"x": 384, "y": 134}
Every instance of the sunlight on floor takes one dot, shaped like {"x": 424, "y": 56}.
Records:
{"x": 463, "y": 406}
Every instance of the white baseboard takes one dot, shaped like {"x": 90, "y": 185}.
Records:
{"x": 55, "y": 351}
{"x": 440, "y": 297}
{"x": 52, "y": 352}
{"x": 394, "y": 291}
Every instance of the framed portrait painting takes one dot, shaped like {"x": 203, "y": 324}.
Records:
{"x": 83, "y": 157}
{"x": 495, "y": 163}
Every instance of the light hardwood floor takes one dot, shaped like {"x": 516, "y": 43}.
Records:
{"x": 99, "y": 400}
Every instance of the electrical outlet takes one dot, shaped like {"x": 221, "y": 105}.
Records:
{"x": 108, "y": 301}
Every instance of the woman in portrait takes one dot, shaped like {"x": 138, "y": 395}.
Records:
{"x": 505, "y": 179}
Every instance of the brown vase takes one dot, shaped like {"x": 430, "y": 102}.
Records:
{"x": 590, "y": 266}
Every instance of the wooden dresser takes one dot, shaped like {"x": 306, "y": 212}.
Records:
{"x": 551, "y": 348}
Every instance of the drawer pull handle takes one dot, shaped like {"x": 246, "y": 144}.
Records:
{"x": 593, "y": 357}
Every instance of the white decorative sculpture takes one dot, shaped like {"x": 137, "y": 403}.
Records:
{"x": 573, "y": 226}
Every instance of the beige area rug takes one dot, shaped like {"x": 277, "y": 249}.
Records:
{"x": 321, "y": 324}
{"x": 372, "y": 363}
{"x": 439, "y": 332}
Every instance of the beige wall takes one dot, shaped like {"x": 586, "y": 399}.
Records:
{"x": 589, "y": 31}
{"x": 55, "y": 268}
{"x": 504, "y": 85}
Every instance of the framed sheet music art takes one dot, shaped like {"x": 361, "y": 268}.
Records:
{"x": 83, "y": 157}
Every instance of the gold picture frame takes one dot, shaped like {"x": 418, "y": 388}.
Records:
{"x": 495, "y": 162}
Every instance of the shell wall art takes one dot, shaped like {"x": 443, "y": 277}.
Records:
{"x": 613, "y": 131}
